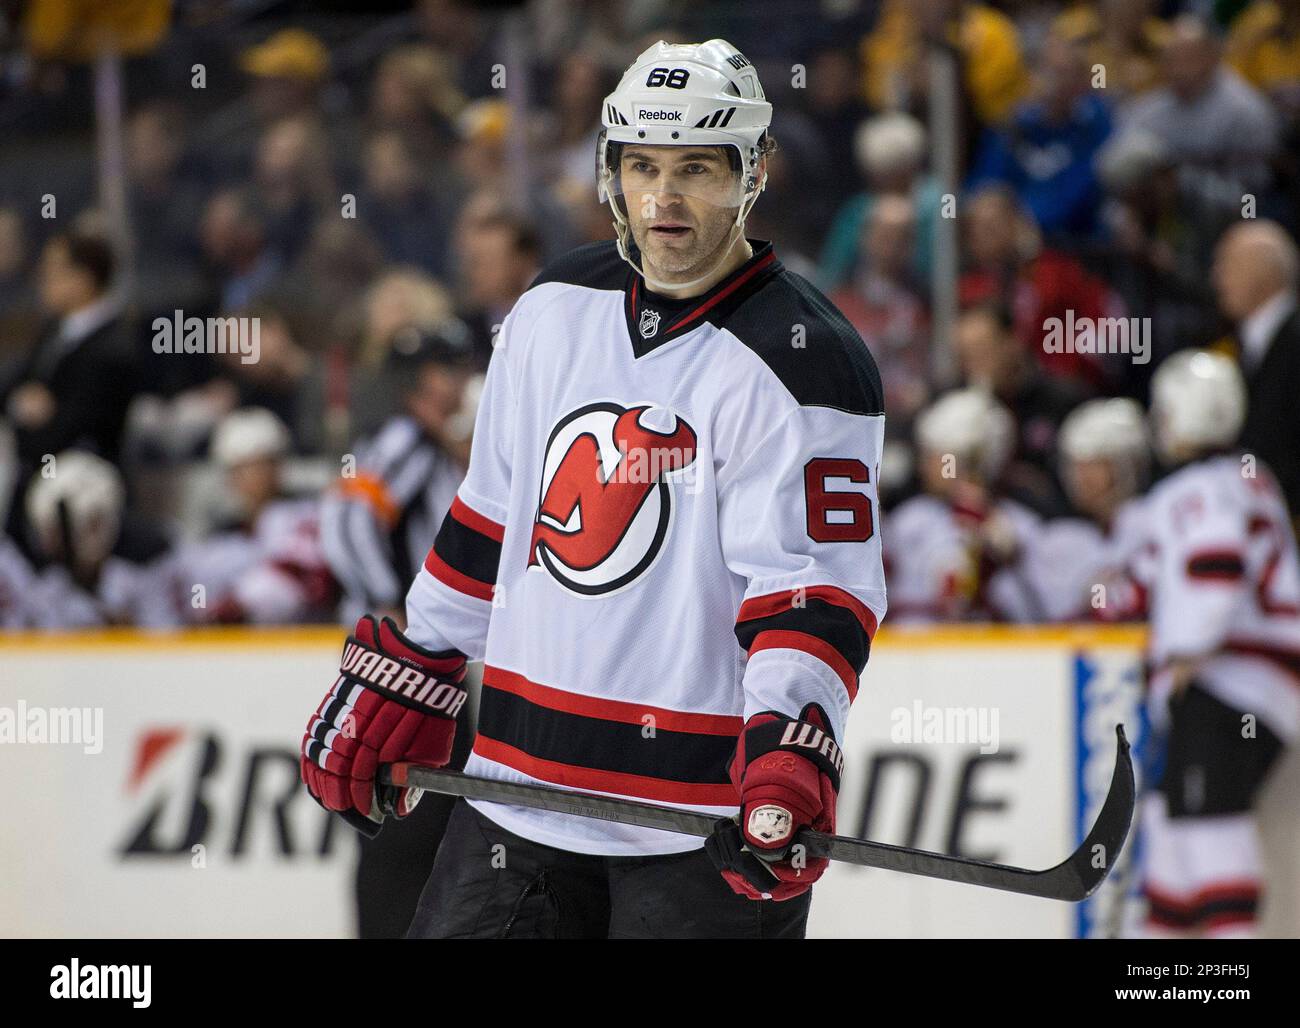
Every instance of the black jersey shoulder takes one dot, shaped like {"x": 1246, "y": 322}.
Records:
{"x": 809, "y": 345}
{"x": 595, "y": 265}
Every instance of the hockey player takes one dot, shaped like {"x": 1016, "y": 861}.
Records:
{"x": 1224, "y": 584}
{"x": 1081, "y": 565}
{"x": 267, "y": 567}
{"x": 666, "y": 551}
{"x": 955, "y": 551}
{"x": 75, "y": 514}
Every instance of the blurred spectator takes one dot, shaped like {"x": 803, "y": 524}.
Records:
{"x": 992, "y": 358}
{"x": 885, "y": 305}
{"x": 1046, "y": 151}
{"x": 1159, "y": 237}
{"x": 1264, "y": 48}
{"x": 890, "y": 154}
{"x": 498, "y": 257}
{"x": 165, "y": 199}
{"x": 1124, "y": 38}
{"x": 234, "y": 241}
{"x": 20, "y": 315}
{"x": 1008, "y": 263}
{"x": 1212, "y": 120}
{"x": 582, "y": 81}
{"x": 833, "y": 102}
{"x": 265, "y": 566}
{"x": 399, "y": 299}
{"x": 398, "y": 204}
{"x": 74, "y": 388}
{"x": 294, "y": 182}
{"x": 414, "y": 92}
{"x": 288, "y": 70}
{"x": 895, "y": 58}
{"x": 481, "y": 163}
{"x": 1256, "y": 275}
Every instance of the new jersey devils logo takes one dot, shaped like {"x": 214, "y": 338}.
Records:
{"x": 605, "y": 505}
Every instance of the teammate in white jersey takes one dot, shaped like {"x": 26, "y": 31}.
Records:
{"x": 1080, "y": 566}
{"x": 76, "y": 517}
{"x": 666, "y": 551}
{"x": 268, "y": 567}
{"x": 955, "y": 552}
{"x": 1224, "y": 584}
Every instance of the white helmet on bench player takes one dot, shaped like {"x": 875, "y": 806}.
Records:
{"x": 973, "y": 427}
{"x": 76, "y": 512}
{"x": 1198, "y": 404}
{"x": 693, "y": 94}
{"x": 1113, "y": 430}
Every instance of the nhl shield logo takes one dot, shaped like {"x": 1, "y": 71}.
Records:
{"x": 649, "y": 323}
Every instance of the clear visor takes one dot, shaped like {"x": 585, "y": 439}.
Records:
{"x": 657, "y": 181}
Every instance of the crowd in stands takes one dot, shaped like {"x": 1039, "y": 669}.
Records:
{"x": 376, "y": 189}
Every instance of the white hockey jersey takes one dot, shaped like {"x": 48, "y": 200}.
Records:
{"x": 16, "y": 581}
{"x": 125, "y": 593}
{"x": 275, "y": 573}
{"x": 1223, "y": 578}
{"x": 1080, "y": 572}
{"x": 938, "y": 570}
{"x": 669, "y": 524}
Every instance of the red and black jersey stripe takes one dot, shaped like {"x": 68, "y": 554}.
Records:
{"x": 1279, "y": 656}
{"x": 1209, "y": 907}
{"x": 466, "y": 552}
{"x": 1216, "y": 565}
{"x": 829, "y": 623}
{"x": 603, "y": 745}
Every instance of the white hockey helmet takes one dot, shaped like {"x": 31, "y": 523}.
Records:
{"x": 1112, "y": 430}
{"x": 250, "y": 433}
{"x": 1198, "y": 404}
{"x": 689, "y": 94}
{"x": 76, "y": 512}
{"x": 971, "y": 425}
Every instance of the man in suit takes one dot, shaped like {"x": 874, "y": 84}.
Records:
{"x": 72, "y": 391}
{"x": 74, "y": 388}
{"x": 1256, "y": 273}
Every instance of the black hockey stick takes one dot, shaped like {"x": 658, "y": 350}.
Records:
{"x": 1074, "y": 879}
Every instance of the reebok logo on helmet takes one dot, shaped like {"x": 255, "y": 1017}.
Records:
{"x": 659, "y": 114}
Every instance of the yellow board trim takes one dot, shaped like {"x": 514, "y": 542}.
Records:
{"x": 313, "y": 636}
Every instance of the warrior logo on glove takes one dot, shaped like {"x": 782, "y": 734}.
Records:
{"x": 392, "y": 701}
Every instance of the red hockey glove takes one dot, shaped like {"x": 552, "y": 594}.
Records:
{"x": 788, "y": 775}
{"x": 392, "y": 701}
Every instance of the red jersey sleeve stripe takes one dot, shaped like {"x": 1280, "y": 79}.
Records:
{"x": 471, "y": 518}
{"x": 453, "y": 579}
{"x": 778, "y": 639}
{"x": 779, "y": 602}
